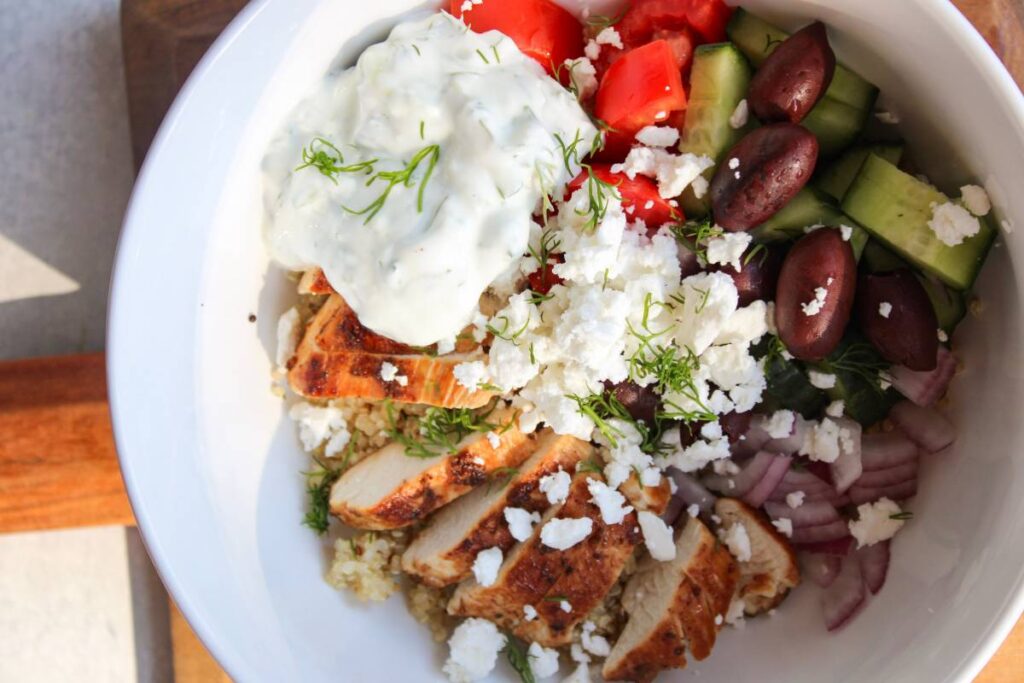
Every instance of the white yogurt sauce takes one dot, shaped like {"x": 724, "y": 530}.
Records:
{"x": 416, "y": 276}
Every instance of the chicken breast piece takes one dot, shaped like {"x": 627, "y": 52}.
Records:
{"x": 563, "y": 586}
{"x": 673, "y": 606}
{"x": 313, "y": 281}
{"x": 652, "y": 499}
{"x": 444, "y": 551}
{"x": 772, "y": 570}
{"x": 390, "y": 490}
{"x": 338, "y": 357}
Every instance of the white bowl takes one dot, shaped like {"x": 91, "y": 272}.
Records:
{"x": 212, "y": 465}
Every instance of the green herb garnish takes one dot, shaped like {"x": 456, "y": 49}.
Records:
{"x": 902, "y": 516}
{"x": 441, "y": 429}
{"x": 694, "y": 235}
{"x": 318, "y": 488}
{"x": 518, "y": 659}
{"x": 405, "y": 176}
{"x": 326, "y": 158}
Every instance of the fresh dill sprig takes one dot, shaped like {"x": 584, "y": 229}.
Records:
{"x": 859, "y": 359}
{"x": 589, "y": 465}
{"x": 318, "y": 488}
{"x": 497, "y": 55}
{"x": 549, "y": 243}
{"x": 902, "y": 516}
{"x": 600, "y": 408}
{"x": 504, "y": 332}
{"x": 483, "y": 56}
{"x": 517, "y": 658}
{"x": 603, "y": 21}
{"x": 441, "y": 429}
{"x": 326, "y": 158}
{"x": 404, "y": 176}
{"x": 599, "y": 192}
{"x": 694, "y": 235}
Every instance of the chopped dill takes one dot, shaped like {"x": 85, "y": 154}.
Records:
{"x": 406, "y": 177}
{"x": 517, "y": 658}
{"x": 415, "y": 47}
{"x": 497, "y": 55}
{"x": 441, "y": 429}
{"x": 318, "y": 488}
{"x": 549, "y": 243}
{"x": 326, "y": 158}
{"x": 537, "y": 299}
{"x": 902, "y": 516}
{"x": 533, "y": 357}
{"x": 694, "y": 235}
{"x": 423, "y": 125}
{"x": 483, "y": 56}
{"x": 504, "y": 333}
{"x": 589, "y": 465}
{"x": 860, "y": 360}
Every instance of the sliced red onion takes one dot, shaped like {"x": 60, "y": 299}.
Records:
{"x": 759, "y": 493}
{"x": 845, "y": 597}
{"x": 811, "y": 513}
{"x": 821, "y": 569}
{"x": 848, "y": 467}
{"x": 833, "y": 531}
{"x": 840, "y": 547}
{"x": 737, "y": 485}
{"x": 791, "y": 444}
{"x": 894, "y": 475}
{"x": 925, "y": 388}
{"x": 813, "y": 487}
{"x": 927, "y": 427}
{"x": 754, "y": 438}
{"x": 874, "y": 565}
{"x": 841, "y": 501}
{"x": 885, "y": 450}
{"x": 896, "y": 492}
{"x": 688, "y": 492}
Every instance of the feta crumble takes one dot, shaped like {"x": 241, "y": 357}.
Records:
{"x": 593, "y": 643}
{"x": 565, "y": 606}
{"x": 564, "y": 533}
{"x": 846, "y": 232}
{"x": 795, "y": 499}
{"x": 836, "y": 408}
{"x": 556, "y": 486}
{"x": 493, "y": 439}
{"x": 609, "y": 36}
{"x": 734, "y": 163}
{"x": 673, "y": 172}
{"x": 885, "y": 309}
{"x": 473, "y": 651}
{"x": 529, "y": 612}
{"x": 486, "y": 566}
{"x": 737, "y": 541}
{"x": 952, "y": 223}
{"x": 728, "y": 249}
{"x": 740, "y": 115}
{"x": 320, "y": 424}
{"x": 583, "y": 75}
{"x": 784, "y": 526}
{"x": 975, "y": 199}
{"x": 780, "y": 424}
{"x": 592, "y": 50}
{"x": 521, "y": 522}
{"x": 821, "y": 380}
{"x": 826, "y": 440}
{"x": 735, "y": 614}
{"x": 658, "y": 136}
{"x": 288, "y": 332}
{"x": 657, "y": 536}
{"x": 543, "y": 660}
{"x": 941, "y": 334}
{"x": 877, "y": 522}
{"x": 388, "y": 371}
{"x": 470, "y": 374}
{"x": 610, "y": 502}
{"x": 693, "y": 510}
{"x": 814, "y": 306}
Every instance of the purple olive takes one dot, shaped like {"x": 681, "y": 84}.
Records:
{"x": 641, "y": 403}
{"x": 793, "y": 77}
{"x": 896, "y": 315}
{"x": 815, "y": 294}
{"x": 761, "y": 174}
{"x": 757, "y": 279}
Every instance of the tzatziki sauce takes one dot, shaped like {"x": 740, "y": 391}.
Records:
{"x": 488, "y": 127}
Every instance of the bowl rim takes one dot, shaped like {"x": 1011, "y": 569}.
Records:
{"x": 1006, "y": 89}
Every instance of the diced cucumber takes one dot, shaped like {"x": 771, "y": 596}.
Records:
{"x": 856, "y": 367}
{"x": 718, "y": 81}
{"x": 756, "y": 38}
{"x": 837, "y": 125}
{"x": 835, "y": 179}
{"x": 878, "y": 259}
{"x": 809, "y": 207}
{"x": 895, "y": 208}
{"x": 950, "y": 305}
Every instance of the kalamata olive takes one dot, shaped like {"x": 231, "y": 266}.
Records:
{"x": 688, "y": 434}
{"x": 758, "y": 276}
{"x": 761, "y": 174}
{"x": 897, "y": 317}
{"x": 735, "y": 425}
{"x": 815, "y": 294}
{"x": 641, "y": 402}
{"x": 793, "y": 77}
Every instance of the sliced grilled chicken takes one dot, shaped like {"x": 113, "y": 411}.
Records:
{"x": 772, "y": 570}
{"x": 673, "y": 606}
{"x": 563, "y": 586}
{"x": 314, "y": 281}
{"x": 650, "y": 498}
{"x": 339, "y": 357}
{"x": 443, "y": 553}
{"x": 390, "y": 490}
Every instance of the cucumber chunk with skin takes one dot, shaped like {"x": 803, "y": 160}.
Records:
{"x": 837, "y": 125}
{"x": 809, "y": 207}
{"x": 718, "y": 81}
{"x": 895, "y": 208}
{"x": 835, "y": 179}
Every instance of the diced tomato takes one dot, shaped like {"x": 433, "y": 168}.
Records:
{"x": 707, "y": 18}
{"x": 682, "y": 44}
{"x": 543, "y": 279}
{"x": 642, "y": 88}
{"x": 540, "y": 28}
{"x": 641, "y": 193}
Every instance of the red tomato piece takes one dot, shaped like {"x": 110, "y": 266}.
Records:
{"x": 707, "y": 18}
{"x": 641, "y": 193}
{"x": 682, "y": 44}
{"x": 540, "y": 28}
{"x": 543, "y": 279}
{"x": 641, "y": 88}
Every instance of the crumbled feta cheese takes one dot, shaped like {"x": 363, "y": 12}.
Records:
{"x": 826, "y": 440}
{"x": 583, "y": 76}
{"x": 941, "y": 334}
{"x": 795, "y": 499}
{"x": 814, "y": 306}
{"x": 543, "y": 660}
{"x": 473, "y": 651}
{"x": 725, "y": 467}
{"x": 846, "y": 232}
{"x": 836, "y": 408}
{"x": 592, "y": 50}
{"x": 564, "y": 533}
{"x": 780, "y": 424}
{"x": 673, "y": 172}
{"x": 493, "y": 439}
{"x": 728, "y": 249}
{"x": 1007, "y": 226}
{"x": 885, "y": 309}
{"x": 884, "y": 384}
{"x": 651, "y": 477}
{"x": 821, "y": 380}
{"x": 976, "y": 200}
{"x": 952, "y": 223}
{"x": 556, "y": 486}
{"x": 529, "y": 612}
{"x": 388, "y": 372}
{"x": 578, "y": 654}
{"x": 737, "y": 175}
{"x": 610, "y": 502}
{"x": 593, "y": 643}
{"x": 719, "y": 620}
{"x": 658, "y": 136}
{"x": 734, "y": 163}
{"x": 319, "y": 424}
{"x": 486, "y": 566}
{"x": 520, "y": 522}
{"x": 470, "y": 374}
{"x": 737, "y": 541}
{"x": 609, "y": 36}
{"x": 581, "y": 674}
{"x": 657, "y": 536}
{"x": 784, "y": 526}
{"x": 735, "y": 614}
{"x": 445, "y": 346}
{"x": 288, "y": 331}
{"x": 565, "y": 606}
{"x": 876, "y": 522}
{"x": 693, "y": 510}
{"x": 740, "y": 115}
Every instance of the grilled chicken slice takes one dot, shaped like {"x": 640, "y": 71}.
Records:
{"x": 673, "y": 606}
{"x": 339, "y": 357}
{"x": 549, "y": 580}
{"x": 772, "y": 569}
{"x": 390, "y": 490}
{"x": 443, "y": 553}
{"x": 652, "y": 499}
{"x": 313, "y": 281}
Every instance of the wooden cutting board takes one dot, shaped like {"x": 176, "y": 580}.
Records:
{"x": 57, "y": 461}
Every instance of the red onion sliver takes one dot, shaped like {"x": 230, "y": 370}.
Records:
{"x": 890, "y": 477}
{"x": 925, "y": 388}
{"x": 737, "y": 485}
{"x": 813, "y": 487}
{"x": 688, "y": 492}
{"x": 887, "y": 449}
{"x": 755, "y": 438}
{"x": 897, "y": 492}
{"x": 821, "y": 569}
{"x": 925, "y": 426}
{"x": 812, "y": 513}
{"x": 759, "y": 493}
{"x": 848, "y": 467}
{"x": 845, "y": 597}
{"x": 792, "y": 443}
{"x": 832, "y": 531}
{"x": 874, "y": 565}
{"x": 841, "y": 547}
